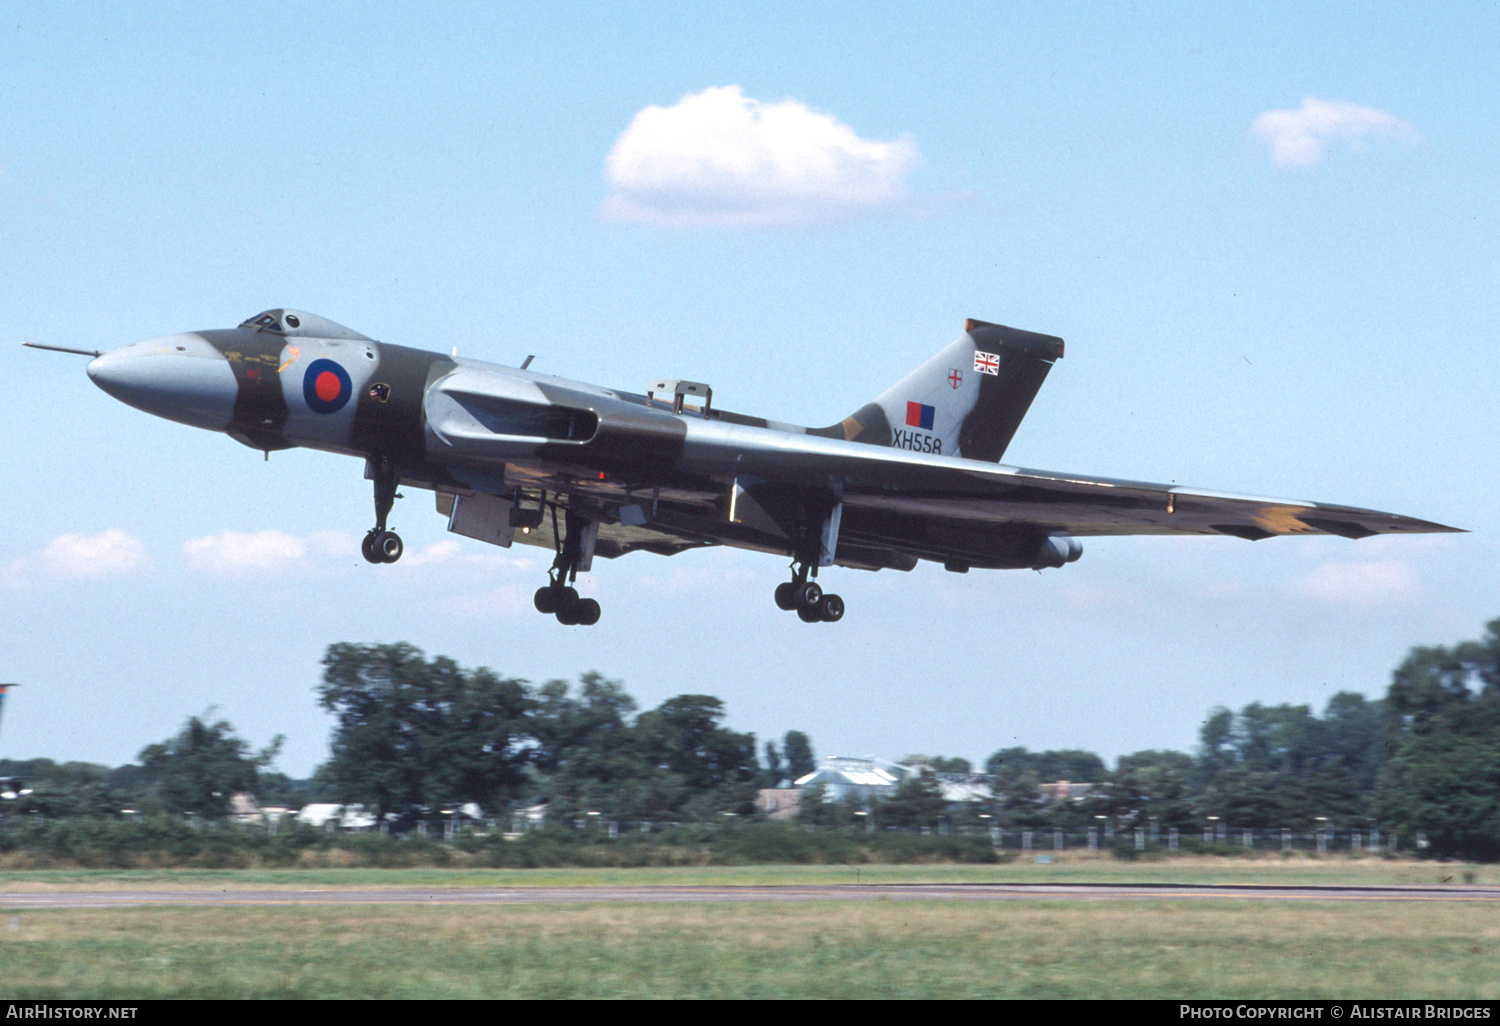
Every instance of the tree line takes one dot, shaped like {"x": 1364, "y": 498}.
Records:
{"x": 415, "y": 735}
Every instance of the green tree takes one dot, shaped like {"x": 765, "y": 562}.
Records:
{"x": 413, "y": 733}
{"x": 773, "y": 775}
{"x": 588, "y": 758}
{"x": 1069, "y": 764}
{"x": 67, "y": 789}
{"x": 1150, "y": 785}
{"x": 1281, "y": 737}
{"x": 917, "y": 802}
{"x": 1269, "y": 766}
{"x": 677, "y": 761}
{"x": 1150, "y": 758}
{"x": 716, "y": 766}
{"x": 941, "y": 764}
{"x": 1354, "y": 735}
{"x": 798, "y": 752}
{"x": 1216, "y": 751}
{"x": 202, "y": 767}
{"x": 1442, "y": 770}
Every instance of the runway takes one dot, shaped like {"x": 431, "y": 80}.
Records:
{"x": 750, "y": 894}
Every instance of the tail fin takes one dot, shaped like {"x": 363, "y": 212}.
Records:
{"x": 966, "y": 401}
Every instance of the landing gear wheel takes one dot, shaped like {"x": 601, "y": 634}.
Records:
{"x": 367, "y": 547}
{"x": 553, "y": 598}
{"x": 387, "y": 545}
{"x": 831, "y": 609}
{"x": 807, "y": 595}
{"x": 784, "y": 597}
{"x": 574, "y": 611}
{"x": 809, "y": 615}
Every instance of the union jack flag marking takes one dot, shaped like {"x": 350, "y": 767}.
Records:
{"x": 986, "y": 363}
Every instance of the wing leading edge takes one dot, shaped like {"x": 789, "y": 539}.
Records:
{"x": 898, "y": 504}
{"x": 901, "y": 507}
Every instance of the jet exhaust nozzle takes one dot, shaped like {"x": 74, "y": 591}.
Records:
{"x": 1057, "y": 550}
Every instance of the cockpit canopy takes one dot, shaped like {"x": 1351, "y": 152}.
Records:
{"x": 296, "y": 324}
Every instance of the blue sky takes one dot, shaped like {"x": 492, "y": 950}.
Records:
{"x": 1318, "y": 327}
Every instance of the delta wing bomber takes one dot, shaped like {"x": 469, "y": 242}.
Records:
{"x": 517, "y": 456}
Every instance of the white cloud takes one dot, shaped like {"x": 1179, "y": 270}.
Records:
{"x": 104, "y": 554}
{"x": 699, "y": 579}
{"x": 438, "y": 552}
{"x": 720, "y": 157}
{"x": 1301, "y": 137}
{"x": 1371, "y": 583}
{"x": 468, "y": 558}
{"x": 235, "y": 552}
{"x": 504, "y": 600}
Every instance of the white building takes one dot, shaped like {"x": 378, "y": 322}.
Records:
{"x": 860, "y": 779}
{"x": 343, "y": 817}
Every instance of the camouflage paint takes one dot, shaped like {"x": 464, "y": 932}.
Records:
{"x": 687, "y": 469}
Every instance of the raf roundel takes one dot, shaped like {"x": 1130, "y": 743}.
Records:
{"x": 326, "y": 387}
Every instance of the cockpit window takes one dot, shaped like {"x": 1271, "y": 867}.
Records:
{"x": 263, "y": 322}
{"x": 300, "y": 324}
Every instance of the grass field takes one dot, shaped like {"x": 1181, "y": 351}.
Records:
{"x": 903, "y": 949}
{"x": 1076, "y": 867}
{"x": 1204, "y": 948}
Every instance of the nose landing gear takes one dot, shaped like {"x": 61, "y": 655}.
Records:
{"x": 808, "y": 599}
{"x": 381, "y": 545}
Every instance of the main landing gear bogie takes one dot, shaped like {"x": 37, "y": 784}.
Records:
{"x": 563, "y": 602}
{"x": 808, "y": 599}
{"x": 558, "y": 597}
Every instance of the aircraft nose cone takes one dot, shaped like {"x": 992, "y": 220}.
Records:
{"x": 180, "y": 377}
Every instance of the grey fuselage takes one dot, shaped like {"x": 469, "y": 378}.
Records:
{"x": 912, "y": 475}
{"x": 464, "y": 426}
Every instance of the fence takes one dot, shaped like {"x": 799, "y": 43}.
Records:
{"x": 1217, "y": 839}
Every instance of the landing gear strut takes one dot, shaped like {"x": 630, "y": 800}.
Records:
{"x": 558, "y": 597}
{"x": 808, "y": 598}
{"x": 381, "y": 545}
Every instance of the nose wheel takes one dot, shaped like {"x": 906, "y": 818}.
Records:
{"x": 382, "y": 545}
{"x": 808, "y": 600}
